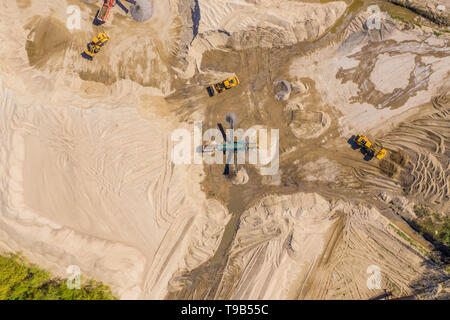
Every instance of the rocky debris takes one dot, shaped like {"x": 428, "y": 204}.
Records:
{"x": 402, "y": 207}
{"x": 282, "y": 90}
{"x": 384, "y": 196}
{"x": 432, "y": 287}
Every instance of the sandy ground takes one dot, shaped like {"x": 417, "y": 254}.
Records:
{"x": 304, "y": 247}
{"x": 85, "y": 163}
{"x": 79, "y": 180}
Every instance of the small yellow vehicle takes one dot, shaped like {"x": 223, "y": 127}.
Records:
{"x": 94, "y": 46}
{"x": 371, "y": 148}
{"x": 223, "y": 85}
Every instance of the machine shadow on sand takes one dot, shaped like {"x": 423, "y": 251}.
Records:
{"x": 367, "y": 156}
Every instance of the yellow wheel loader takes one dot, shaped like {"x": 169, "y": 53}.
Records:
{"x": 222, "y": 86}
{"x": 94, "y": 46}
{"x": 371, "y": 148}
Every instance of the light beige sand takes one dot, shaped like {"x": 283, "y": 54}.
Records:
{"x": 392, "y": 69}
{"x": 98, "y": 189}
{"x": 290, "y": 20}
{"x": 360, "y": 80}
{"x": 242, "y": 24}
{"x": 302, "y": 246}
{"x": 95, "y": 187}
{"x": 85, "y": 170}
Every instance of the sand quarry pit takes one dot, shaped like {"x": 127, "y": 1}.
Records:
{"x": 86, "y": 170}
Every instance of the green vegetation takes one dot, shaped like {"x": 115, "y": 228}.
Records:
{"x": 433, "y": 224}
{"x": 399, "y": 18}
{"x": 408, "y": 239}
{"x": 437, "y": 34}
{"x": 353, "y": 7}
{"x": 20, "y": 280}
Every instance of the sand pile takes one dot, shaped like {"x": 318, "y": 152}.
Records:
{"x": 369, "y": 26}
{"x": 240, "y": 176}
{"x": 142, "y": 11}
{"x": 283, "y": 90}
{"x": 426, "y": 143}
{"x": 267, "y": 23}
{"x": 303, "y": 246}
{"x": 248, "y": 24}
{"x": 130, "y": 54}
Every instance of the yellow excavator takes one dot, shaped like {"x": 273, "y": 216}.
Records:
{"x": 371, "y": 148}
{"x": 223, "y": 85}
{"x": 94, "y": 46}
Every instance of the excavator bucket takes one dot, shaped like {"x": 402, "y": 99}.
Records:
{"x": 381, "y": 154}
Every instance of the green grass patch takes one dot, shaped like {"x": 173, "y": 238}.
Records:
{"x": 20, "y": 280}
{"x": 409, "y": 240}
{"x": 433, "y": 224}
{"x": 399, "y": 18}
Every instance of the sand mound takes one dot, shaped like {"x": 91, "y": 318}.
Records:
{"x": 368, "y": 26}
{"x": 142, "y": 11}
{"x": 240, "y": 177}
{"x": 426, "y": 141}
{"x": 130, "y": 54}
{"x": 211, "y": 24}
{"x": 302, "y": 246}
{"x": 309, "y": 125}
{"x": 267, "y": 23}
{"x": 282, "y": 90}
